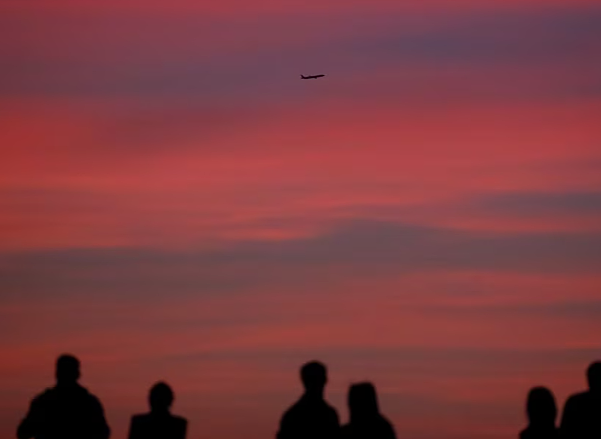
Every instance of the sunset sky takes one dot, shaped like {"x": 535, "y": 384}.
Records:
{"x": 176, "y": 204}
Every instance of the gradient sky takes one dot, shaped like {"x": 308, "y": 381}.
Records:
{"x": 175, "y": 203}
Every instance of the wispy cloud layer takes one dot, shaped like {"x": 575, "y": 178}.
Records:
{"x": 175, "y": 203}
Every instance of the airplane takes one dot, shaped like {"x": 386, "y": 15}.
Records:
{"x": 312, "y": 76}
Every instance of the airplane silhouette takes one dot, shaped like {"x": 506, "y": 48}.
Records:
{"x": 312, "y": 76}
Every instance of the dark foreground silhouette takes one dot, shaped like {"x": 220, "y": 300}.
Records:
{"x": 66, "y": 411}
{"x": 311, "y": 417}
{"x": 366, "y": 422}
{"x": 69, "y": 411}
{"x": 582, "y": 412}
{"x": 159, "y": 423}
{"x": 542, "y": 414}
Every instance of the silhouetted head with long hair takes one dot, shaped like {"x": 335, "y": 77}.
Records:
{"x": 540, "y": 407}
{"x": 160, "y": 398}
{"x": 67, "y": 370}
{"x": 363, "y": 402}
{"x": 593, "y": 375}
{"x": 314, "y": 376}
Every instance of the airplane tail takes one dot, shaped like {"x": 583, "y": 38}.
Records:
{"x": 303, "y": 77}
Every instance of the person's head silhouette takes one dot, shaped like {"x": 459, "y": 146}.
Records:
{"x": 314, "y": 377}
{"x": 160, "y": 397}
{"x": 363, "y": 402}
{"x": 540, "y": 407}
{"x": 67, "y": 370}
{"x": 593, "y": 375}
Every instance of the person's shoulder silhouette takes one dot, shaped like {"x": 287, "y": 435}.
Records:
{"x": 582, "y": 412}
{"x": 66, "y": 411}
{"x": 311, "y": 417}
{"x": 159, "y": 423}
{"x": 542, "y": 414}
{"x": 366, "y": 421}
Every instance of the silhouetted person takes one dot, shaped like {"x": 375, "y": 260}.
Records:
{"x": 366, "y": 421}
{"x": 159, "y": 423}
{"x": 542, "y": 414}
{"x": 582, "y": 413}
{"x": 66, "y": 411}
{"x": 311, "y": 417}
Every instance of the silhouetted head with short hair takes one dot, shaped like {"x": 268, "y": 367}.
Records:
{"x": 593, "y": 375}
{"x": 540, "y": 407}
{"x": 67, "y": 369}
{"x": 160, "y": 397}
{"x": 363, "y": 402}
{"x": 314, "y": 377}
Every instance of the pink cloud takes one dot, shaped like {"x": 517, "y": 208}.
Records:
{"x": 426, "y": 221}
